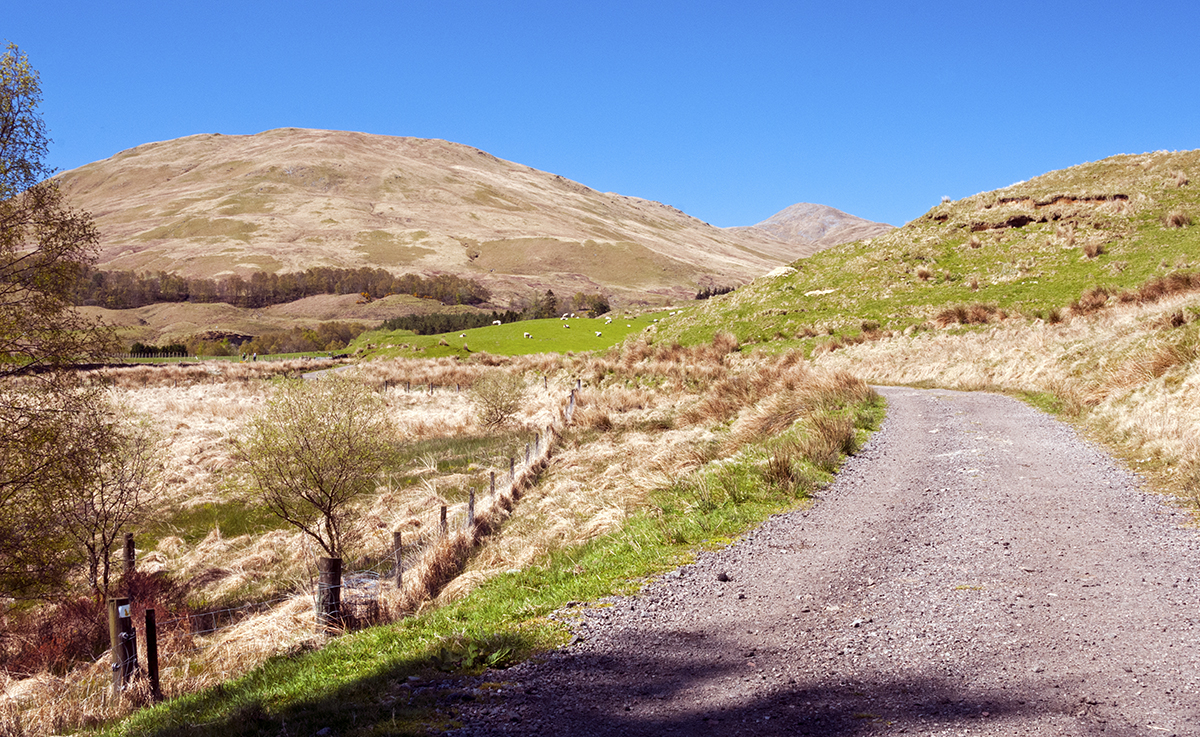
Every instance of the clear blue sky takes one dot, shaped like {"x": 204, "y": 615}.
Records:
{"x": 728, "y": 111}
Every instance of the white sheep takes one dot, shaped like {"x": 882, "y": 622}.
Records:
{"x": 566, "y": 324}
{"x": 527, "y": 335}
{"x": 597, "y": 333}
{"x": 495, "y": 322}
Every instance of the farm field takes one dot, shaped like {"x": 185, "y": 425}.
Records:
{"x": 571, "y": 335}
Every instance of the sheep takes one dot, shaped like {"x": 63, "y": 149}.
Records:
{"x": 527, "y": 335}
{"x": 495, "y": 322}
{"x": 597, "y": 333}
{"x": 565, "y": 316}
{"x": 566, "y": 324}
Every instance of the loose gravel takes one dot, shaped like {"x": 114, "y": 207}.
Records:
{"x": 976, "y": 570}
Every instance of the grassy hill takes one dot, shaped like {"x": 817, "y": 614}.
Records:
{"x": 1026, "y": 249}
{"x": 289, "y": 199}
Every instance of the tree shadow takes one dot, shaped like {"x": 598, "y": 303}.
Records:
{"x": 640, "y": 689}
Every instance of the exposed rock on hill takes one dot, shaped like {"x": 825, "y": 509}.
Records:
{"x": 289, "y": 199}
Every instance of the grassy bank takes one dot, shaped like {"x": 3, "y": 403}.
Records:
{"x": 738, "y": 438}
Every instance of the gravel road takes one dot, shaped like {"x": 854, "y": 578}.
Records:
{"x": 976, "y": 570}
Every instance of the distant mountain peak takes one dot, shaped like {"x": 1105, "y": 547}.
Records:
{"x": 805, "y": 223}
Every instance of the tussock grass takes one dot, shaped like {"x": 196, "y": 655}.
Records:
{"x": 1177, "y": 219}
{"x": 659, "y": 458}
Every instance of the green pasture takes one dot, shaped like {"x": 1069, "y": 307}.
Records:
{"x": 575, "y": 335}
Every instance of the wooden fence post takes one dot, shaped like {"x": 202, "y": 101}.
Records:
{"x": 329, "y": 593}
{"x": 493, "y": 490}
{"x": 152, "y": 655}
{"x": 445, "y": 527}
{"x": 512, "y": 464}
{"x": 396, "y": 548}
{"x": 471, "y": 511}
{"x": 123, "y": 639}
{"x": 431, "y": 388}
{"x": 526, "y": 454}
{"x": 130, "y": 562}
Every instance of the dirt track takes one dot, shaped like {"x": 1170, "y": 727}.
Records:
{"x": 976, "y": 570}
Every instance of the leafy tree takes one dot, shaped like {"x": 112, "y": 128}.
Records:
{"x": 498, "y": 397}
{"x": 45, "y": 247}
{"x": 547, "y": 306}
{"x": 105, "y": 486}
{"x": 593, "y": 304}
{"x": 316, "y": 447}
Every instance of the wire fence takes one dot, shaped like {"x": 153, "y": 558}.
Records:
{"x": 360, "y": 592}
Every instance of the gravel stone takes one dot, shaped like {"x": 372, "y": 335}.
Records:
{"x": 977, "y": 569}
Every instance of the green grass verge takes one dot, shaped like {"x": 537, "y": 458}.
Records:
{"x": 193, "y": 524}
{"x": 359, "y": 685}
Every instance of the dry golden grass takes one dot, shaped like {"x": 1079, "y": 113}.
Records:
{"x": 647, "y": 416}
{"x": 659, "y": 413}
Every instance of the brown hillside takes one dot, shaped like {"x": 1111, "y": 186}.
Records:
{"x": 289, "y": 199}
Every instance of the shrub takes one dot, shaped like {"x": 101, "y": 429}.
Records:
{"x": 1092, "y": 300}
{"x": 313, "y": 450}
{"x": 1175, "y": 319}
{"x": 981, "y": 314}
{"x": 1177, "y": 219}
{"x": 498, "y": 397}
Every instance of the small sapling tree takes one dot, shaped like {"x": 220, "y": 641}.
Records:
{"x": 106, "y": 486}
{"x": 498, "y": 397}
{"x": 315, "y": 448}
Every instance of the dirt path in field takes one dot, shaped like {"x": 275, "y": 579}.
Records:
{"x": 976, "y": 570}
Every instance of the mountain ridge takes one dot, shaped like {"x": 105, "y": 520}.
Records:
{"x": 287, "y": 199}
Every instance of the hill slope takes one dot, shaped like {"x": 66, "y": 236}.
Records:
{"x": 1029, "y": 248}
{"x": 818, "y": 226}
{"x": 289, "y": 199}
